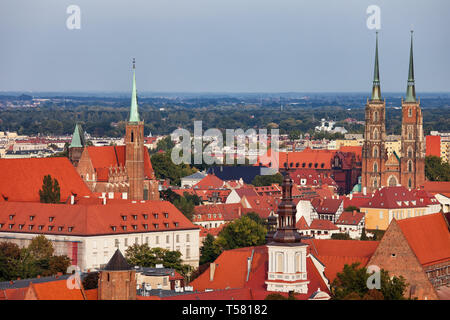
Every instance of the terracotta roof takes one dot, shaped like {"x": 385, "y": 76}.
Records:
{"x": 319, "y": 224}
{"x": 302, "y": 224}
{"x": 13, "y": 294}
{"x": 428, "y": 236}
{"x": 227, "y": 211}
{"x": 231, "y": 273}
{"x": 357, "y": 200}
{"x": 55, "y": 290}
{"x": 209, "y": 182}
{"x": 393, "y": 198}
{"x": 436, "y": 186}
{"x": 106, "y": 157}
{"x": 311, "y": 177}
{"x": 326, "y": 206}
{"x": 350, "y": 218}
{"x": 334, "y": 254}
{"x": 91, "y": 294}
{"x": 21, "y": 179}
{"x": 95, "y": 219}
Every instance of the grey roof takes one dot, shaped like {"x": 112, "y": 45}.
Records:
{"x": 117, "y": 263}
{"x": 23, "y": 283}
{"x": 197, "y": 175}
{"x": 156, "y": 271}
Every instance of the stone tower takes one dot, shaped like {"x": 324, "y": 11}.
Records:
{"x": 412, "y": 164}
{"x": 374, "y": 151}
{"x": 77, "y": 145}
{"x": 134, "y": 145}
{"x": 117, "y": 281}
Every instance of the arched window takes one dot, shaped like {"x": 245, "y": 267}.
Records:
{"x": 375, "y": 134}
{"x": 410, "y": 166}
{"x": 375, "y": 152}
{"x": 409, "y": 183}
{"x": 375, "y": 167}
{"x": 280, "y": 262}
{"x": 392, "y": 181}
{"x": 132, "y": 136}
{"x": 410, "y": 152}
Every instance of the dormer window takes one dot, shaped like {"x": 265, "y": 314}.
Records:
{"x": 156, "y": 225}
{"x": 50, "y": 228}
{"x": 166, "y": 215}
{"x": 124, "y": 218}
{"x": 41, "y": 227}
{"x": 145, "y": 216}
{"x": 30, "y": 227}
{"x": 134, "y": 216}
{"x": 11, "y": 225}
{"x": 51, "y": 219}
{"x": 134, "y": 227}
{"x": 70, "y": 229}
{"x": 60, "y": 228}
{"x": 11, "y": 216}
{"x": 113, "y": 228}
{"x": 21, "y": 226}
{"x": 145, "y": 226}
{"x": 155, "y": 215}
{"x": 124, "y": 228}
{"x": 166, "y": 225}
{"x": 31, "y": 218}
{"x": 176, "y": 224}
{"x": 1, "y": 225}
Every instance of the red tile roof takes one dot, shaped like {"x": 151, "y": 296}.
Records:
{"x": 13, "y": 294}
{"x": 357, "y": 200}
{"x": 393, "y": 198}
{"x": 21, "y": 179}
{"x": 350, "y": 218}
{"x": 302, "y": 224}
{"x": 92, "y": 219}
{"x": 326, "y": 205}
{"x": 209, "y": 182}
{"x": 436, "y": 186}
{"x": 318, "y": 224}
{"x": 428, "y": 236}
{"x": 231, "y": 273}
{"x": 334, "y": 254}
{"x": 114, "y": 156}
{"x": 227, "y": 211}
{"x": 55, "y": 290}
{"x": 91, "y": 294}
{"x": 311, "y": 177}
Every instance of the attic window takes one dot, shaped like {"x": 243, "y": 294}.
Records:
{"x": 134, "y": 226}
{"x": 155, "y": 215}
{"x": 41, "y": 227}
{"x": 50, "y": 228}
{"x": 11, "y": 225}
{"x": 176, "y": 224}
{"x": 113, "y": 228}
{"x": 51, "y": 219}
{"x": 166, "y": 215}
{"x": 21, "y": 226}
{"x": 145, "y": 226}
{"x": 145, "y": 216}
{"x": 30, "y": 227}
{"x": 1, "y": 225}
{"x": 166, "y": 225}
{"x": 70, "y": 229}
{"x": 60, "y": 228}
{"x": 134, "y": 216}
{"x": 156, "y": 225}
{"x": 124, "y": 217}
{"x": 124, "y": 228}
{"x": 11, "y": 216}
{"x": 31, "y": 218}
{"x": 393, "y": 255}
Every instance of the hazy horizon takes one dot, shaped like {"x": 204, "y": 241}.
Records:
{"x": 222, "y": 47}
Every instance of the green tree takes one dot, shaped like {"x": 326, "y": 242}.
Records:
{"x": 185, "y": 206}
{"x": 363, "y": 235}
{"x": 267, "y": 180}
{"x": 41, "y": 248}
{"x": 255, "y": 217}
{"x": 436, "y": 169}
{"x": 243, "y": 232}
{"x": 351, "y": 284}
{"x": 50, "y": 192}
{"x": 209, "y": 250}
{"x": 165, "y": 169}
{"x": 340, "y": 236}
{"x": 91, "y": 281}
{"x": 59, "y": 264}
{"x": 144, "y": 256}
{"x": 351, "y": 209}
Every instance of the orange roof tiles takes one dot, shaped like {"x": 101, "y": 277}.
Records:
{"x": 92, "y": 219}
{"x": 436, "y": 186}
{"x": 209, "y": 182}
{"x": 302, "y": 224}
{"x": 350, "y": 218}
{"x": 54, "y": 290}
{"x": 21, "y": 179}
{"x": 319, "y": 224}
{"x": 428, "y": 236}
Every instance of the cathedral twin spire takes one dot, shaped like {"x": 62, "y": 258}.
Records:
{"x": 410, "y": 90}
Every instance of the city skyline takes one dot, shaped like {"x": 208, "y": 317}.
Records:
{"x": 222, "y": 47}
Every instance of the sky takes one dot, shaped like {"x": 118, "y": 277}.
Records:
{"x": 222, "y": 45}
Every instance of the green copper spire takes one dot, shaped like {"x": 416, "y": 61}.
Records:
{"x": 77, "y": 137}
{"x": 376, "y": 90}
{"x": 411, "y": 89}
{"x": 134, "y": 113}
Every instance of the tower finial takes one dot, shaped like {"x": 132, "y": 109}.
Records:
{"x": 376, "y": 90}
{"x": 411, "y": 89}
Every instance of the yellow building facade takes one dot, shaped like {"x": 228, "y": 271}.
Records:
{"x": 380, "y": 218}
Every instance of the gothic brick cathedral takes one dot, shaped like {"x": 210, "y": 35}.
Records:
{"x": 378, "y": 168}
{"x": 123, "y": 169}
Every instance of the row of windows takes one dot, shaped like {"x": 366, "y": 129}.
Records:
{"x": 145, "y": 240}
{"x": 145, "y": 216}
{"x": 39, "y": 227}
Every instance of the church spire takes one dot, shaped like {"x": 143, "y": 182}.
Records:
{"x": 376, "y": 91}
{"x": 134, "y": 113}
{"x": 411, "y": 89}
